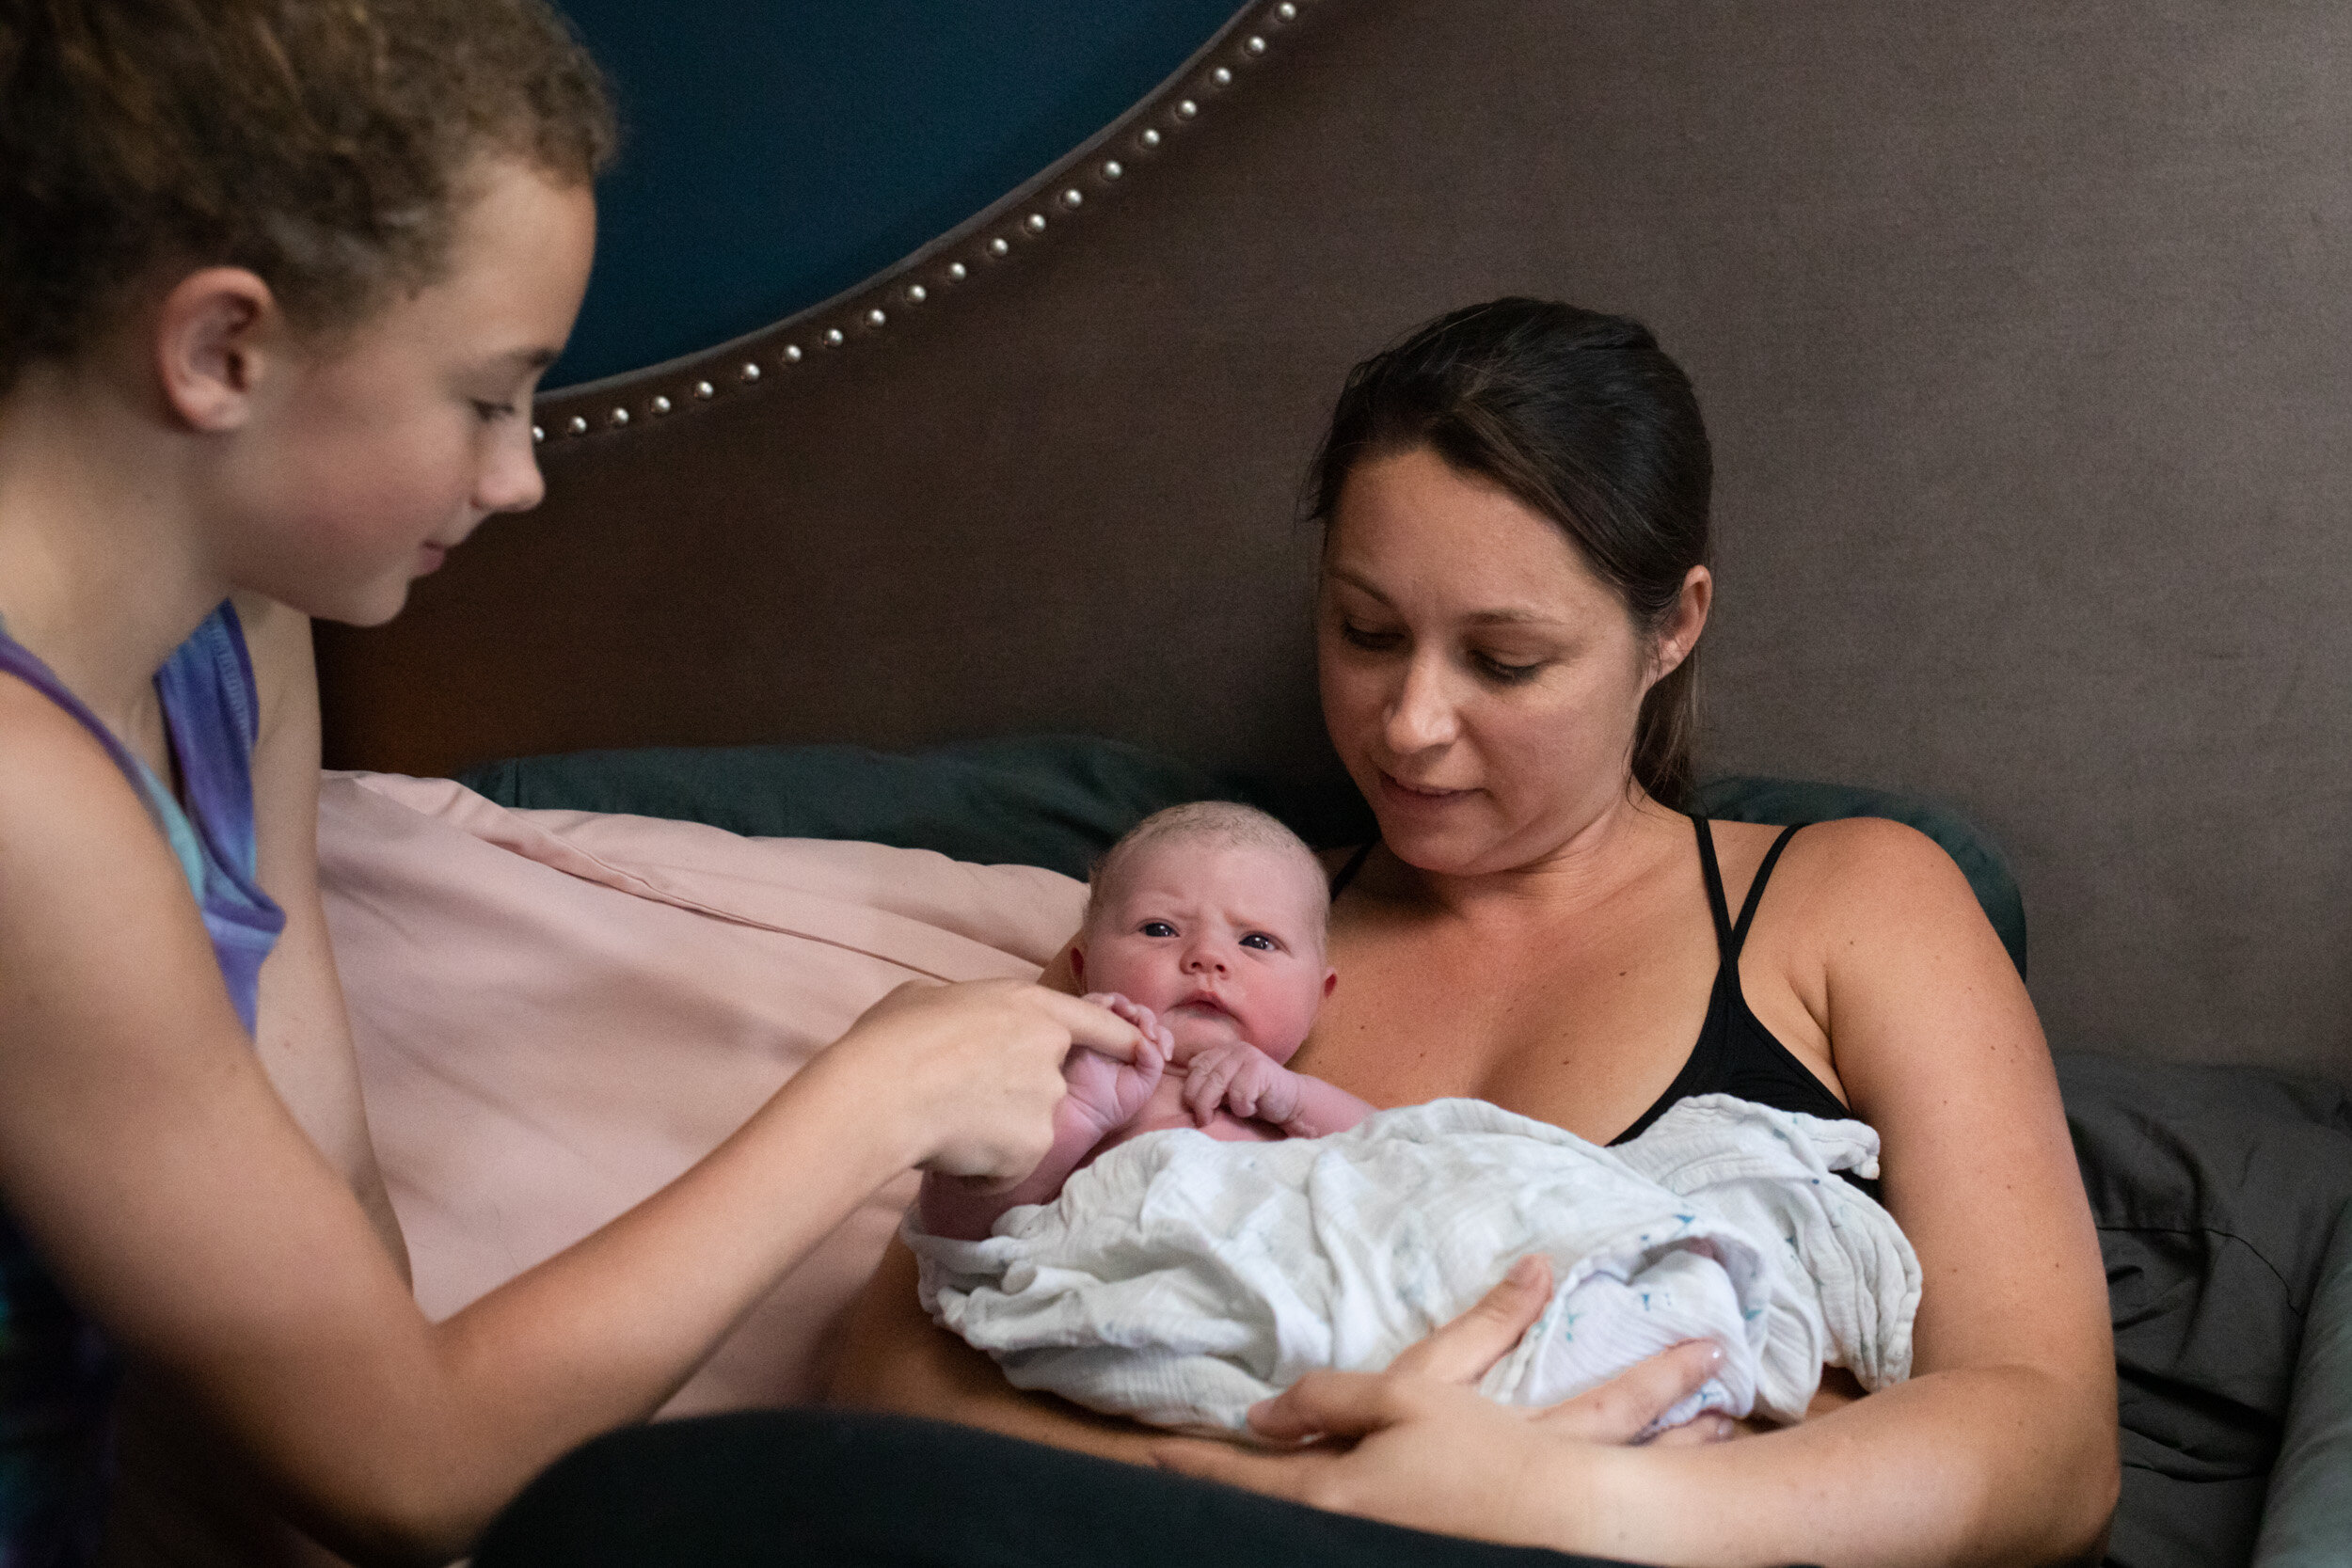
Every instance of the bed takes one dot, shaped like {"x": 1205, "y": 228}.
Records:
{"x": 2019, "y": 331}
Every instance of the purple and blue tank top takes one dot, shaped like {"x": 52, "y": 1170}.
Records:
{"x": 57, "y": 1374}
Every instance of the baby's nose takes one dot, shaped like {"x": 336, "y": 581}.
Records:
{"x": 1205, "y": 960}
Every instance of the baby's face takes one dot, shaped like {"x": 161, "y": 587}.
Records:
{"x": 1223, "y": 942}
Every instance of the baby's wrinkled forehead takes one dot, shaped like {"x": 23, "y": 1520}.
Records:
{"x": 1167, "y": 843}
{"x": 1170, "y": 858}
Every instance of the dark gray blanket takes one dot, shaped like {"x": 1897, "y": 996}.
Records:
{"x": 2216, "y": 1191}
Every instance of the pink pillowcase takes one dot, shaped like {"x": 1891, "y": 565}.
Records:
{"x": 556, "y": 1012}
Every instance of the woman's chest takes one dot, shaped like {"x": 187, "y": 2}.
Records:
{"x": 1583, "y": 1028}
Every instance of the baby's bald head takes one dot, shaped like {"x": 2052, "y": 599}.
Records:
{"x": 1211, "y": 824}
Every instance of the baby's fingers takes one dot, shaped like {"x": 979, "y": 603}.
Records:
{"x": 1204, "y": 1086}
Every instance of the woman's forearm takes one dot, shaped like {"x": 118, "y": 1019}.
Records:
{"x": 1993, "y": 1465}
{"x": 892, "y": 1357}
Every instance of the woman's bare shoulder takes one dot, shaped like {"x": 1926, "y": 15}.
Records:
{"x": 1869, "y": 867}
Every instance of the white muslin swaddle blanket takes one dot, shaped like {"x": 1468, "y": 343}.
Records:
{"x": 1180, "y": 1280}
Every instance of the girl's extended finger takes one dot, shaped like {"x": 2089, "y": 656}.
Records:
{"x": 1095, "y": 1027}
{"x": 1463, "y": 1349}
{"x": 1623, "y": 1408}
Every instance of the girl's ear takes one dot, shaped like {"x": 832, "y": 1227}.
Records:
{"x": 214, "y": 333}
{"x": 1077, "y": 961}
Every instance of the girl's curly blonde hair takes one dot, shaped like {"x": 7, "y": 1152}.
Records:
{"x": 325, "y": 144}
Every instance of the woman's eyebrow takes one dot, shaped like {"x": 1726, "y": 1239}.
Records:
{"x": 1362, "y": 586}
{"x": 1511, "y": 617}
{"x": 1502, "y": 615}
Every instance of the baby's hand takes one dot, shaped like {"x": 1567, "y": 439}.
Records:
{"x": 1241, "y": 1079}
{"x": 1110, "y": 1092}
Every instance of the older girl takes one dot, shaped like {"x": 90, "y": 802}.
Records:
{"x": 1514, "y": 584}
{"x": 277, "y": 280}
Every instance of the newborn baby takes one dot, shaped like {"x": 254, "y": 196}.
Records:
{"x": 1211, "y": 1226}
{"x": 1204, "y": 928}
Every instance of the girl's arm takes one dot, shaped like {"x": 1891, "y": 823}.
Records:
{"x": 144, "y": 1151}
{"x": 305, "y": 1033}
{"x": 2002, "y": 1447}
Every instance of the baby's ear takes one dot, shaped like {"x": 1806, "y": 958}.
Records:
{"x": 1331, "y": 983}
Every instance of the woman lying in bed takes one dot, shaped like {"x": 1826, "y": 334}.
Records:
{"x": 1514, "y": 584}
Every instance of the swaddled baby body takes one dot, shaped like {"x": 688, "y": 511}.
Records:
{"x": 1209, "y": 1226}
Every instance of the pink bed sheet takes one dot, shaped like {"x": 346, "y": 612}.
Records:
{"x": 556, "y": 1012}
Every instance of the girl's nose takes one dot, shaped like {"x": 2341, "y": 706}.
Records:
{"x": 510, "y": 479}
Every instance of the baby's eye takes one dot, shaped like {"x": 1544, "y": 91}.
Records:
{"x": 1156, "y": 928}
{"x": 1260, "y": 941}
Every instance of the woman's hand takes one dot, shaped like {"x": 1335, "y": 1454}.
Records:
{"x": 967, "y": 1075}
{"x": 1418, "y": 1446}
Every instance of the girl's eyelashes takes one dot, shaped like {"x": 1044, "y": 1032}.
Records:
{"x": 490, "y": 412}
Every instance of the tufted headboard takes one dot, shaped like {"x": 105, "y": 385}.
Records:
{"x": 2021, "y": 329}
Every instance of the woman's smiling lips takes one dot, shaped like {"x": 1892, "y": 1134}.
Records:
{"x": 1404, "y": 794}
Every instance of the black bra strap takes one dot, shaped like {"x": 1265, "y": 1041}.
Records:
{"x": 1756, "y": 889}
{"x": 1729, "y": 938}
{"x": 1346, "y": 874}
{"x": 1715, "y": 901}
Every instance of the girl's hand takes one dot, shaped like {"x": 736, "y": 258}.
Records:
{"x": 1241, "y": 1079}
{"x": 1418, "y": 1446}
{"x": 1109, "y": 1092}
{"x": 968, "y": 1075}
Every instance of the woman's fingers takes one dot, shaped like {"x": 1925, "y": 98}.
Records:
{"x": 1331, "y": 1405}
{"x": 1463, "y": 1349}
{"x": 1294, "y": 1476}
{"x": 1697, "y": 1432}
{"x": 1620, "y": 1410}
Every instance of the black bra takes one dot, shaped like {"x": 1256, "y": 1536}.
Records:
{"x": 1735, "y": 1054}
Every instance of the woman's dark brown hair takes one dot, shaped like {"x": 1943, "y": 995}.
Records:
{"x": 1584, "y": 419}
{"x": 324, "y": 144}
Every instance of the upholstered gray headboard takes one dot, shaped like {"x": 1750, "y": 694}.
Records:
{"x": 2021, "y": 329}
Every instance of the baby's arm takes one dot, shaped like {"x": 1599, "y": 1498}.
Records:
{"x": 1103, "y": 1096}
{"x": 1246, "y": 1080}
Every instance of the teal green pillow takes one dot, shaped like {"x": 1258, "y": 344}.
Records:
{"x": 1753, "y": 798}
{"x": 1057, "y": 802}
